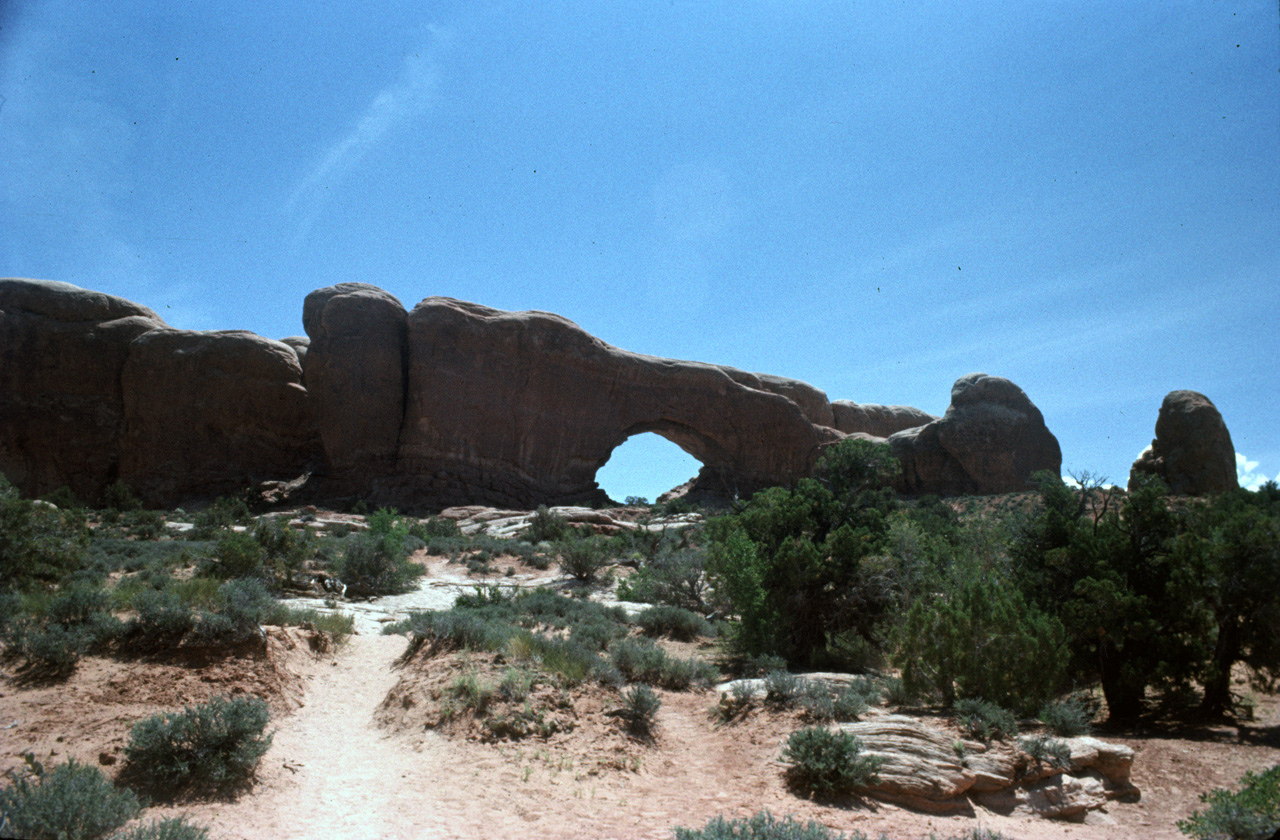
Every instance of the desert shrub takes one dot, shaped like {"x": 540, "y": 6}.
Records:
{"x": 640, "y": 705}
{"x": 207, "y": 748}
{"x": 243, "y": 605}
{"x": 641, "y": 660}
{"x": 223, "y": 513}
{"x": 64, "y": 499}
{"x": 174, "y": 828}
{"x": 70, "y": 802}
{"x": 1067, "y": 717}
{"x": 119, "y": 497}
{"x": 828, "y": 763}
{"x": 596, "y": 634}
{"x": 984, "y": 720}
{"x": 762, "y": 826}
{"x": 377, "y": 561}
{"x": 145, "y": 524}
{"x": 53, "y": 649}
{"x": 674, "y": 623}
{"x": 582, "y": 558}
{"x": 473, "y": 693}
{"x": 435, "y": 527}
{"x": 1250, "y": 813}
{"x": 286, "y": 549}
{"x": 843, "y": 703}
{"x": 38, "y": 543}
{"x": 980, "y": 638}
{"x": 782, "y": 688}
{"x": 162, "y": 619}
{"x": 1042, "y": 749}
{"x": 676, "y": 578}
{"x": 238, "y": 555}
{"x": 546, "y": 526}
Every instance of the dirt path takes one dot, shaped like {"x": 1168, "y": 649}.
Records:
{"x": 330, "y": 771}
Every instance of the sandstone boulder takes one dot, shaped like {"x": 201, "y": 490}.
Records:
{"x": 209, "y": 413}
{"x": 991, "y": 440}
{"x": 1192, "y": 451}
{"x": 877, "y": 420}
{"x": 62, "y": 350}
{"x": 1059, "y": 797}
{"x": 299, "y": 343}
{"x": 521, "y": 408}
{"x": 355, "y": 373}
{"x": 921, "y": 767}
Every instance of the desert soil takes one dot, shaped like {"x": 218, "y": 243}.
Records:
{"x": 333, "y": 771}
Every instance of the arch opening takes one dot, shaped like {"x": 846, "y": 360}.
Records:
{"x": 645, "y": 465}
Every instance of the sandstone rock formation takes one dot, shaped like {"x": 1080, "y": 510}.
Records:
{"x": 213, "y": 412}
{"x": 62, "y": 349}
{"x": 355, "y": 370}
{"x": 877, "y": 420}
{"x": 1192, "y": 451}
{"x": 923, "y": 769}
{"x": 453, "y": 403}
{"x": 521, "y": 408}
{"x": 991, "y": 440}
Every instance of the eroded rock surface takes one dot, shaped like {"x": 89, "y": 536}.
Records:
{"x": 62, "y": 349}
{"x": 212, "y": 412}
{"x": 877, "y": 420}
{"x": 992, "y": 439}
{"x": 1192, "y": 451}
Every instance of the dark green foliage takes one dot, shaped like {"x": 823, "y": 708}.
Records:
{"x": 640, "y": 705}
{"x": 1228, "y": 559}
{"x": 243, "y": 605}
{"x": 1067, "y": 717}
{"x": 827, "y": 763}
{"x": 781, "y": 688}
{"x": 222, "y": 514}
{"x": 546, "y": 526}
{"x": 285, "y": 549}
{"x": 980, "y": 638}
{"x": 38, "y": 544}
{"x": 212, "y": 747}
{"x": 672, "y": 576}
{"x": 583, "y": 558}
{"x": 238, "y": 555}
{"x": 1113, "y": 580}
{"x": 70, "y": 802}
{"x": 119, "y": 497}
{"x": 174, "y": 828}
{"x": 984, "y": 720}
{"x": 435, "y": 527}
{"x": 762, "y": 826}
{"x": 162, "y": 619}
{"x": 674, "y": 623}
{"x": 1251, "y": 813}
{"x": 75, "y": 621}
{"x": 801, "y": 567}
{"x": 377, "y": 561}
{"x": 145, "y": 524}
{"x": 64, "y": 499}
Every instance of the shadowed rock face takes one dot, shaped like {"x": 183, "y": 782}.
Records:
{"x": 62, "y": 349}
{"x": 453, "y": 403}
{"x": 991, "y": 440}
{"x": 355, "y": 368}
{"x": 521, "y": 408}
{"x": 1192, "y": 451}
{"x": 212, "y": 412}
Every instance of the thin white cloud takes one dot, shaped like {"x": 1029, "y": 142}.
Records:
{"x": 406, "y": 97}
{"x": 1247, "y": 474}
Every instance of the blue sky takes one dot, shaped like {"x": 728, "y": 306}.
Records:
{"x": 877, "y": 198}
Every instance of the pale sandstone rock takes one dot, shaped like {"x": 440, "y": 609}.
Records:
{"x": 877, "y": 420}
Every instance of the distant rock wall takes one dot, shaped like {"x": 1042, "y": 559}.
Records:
{"x": 450, "y": 403}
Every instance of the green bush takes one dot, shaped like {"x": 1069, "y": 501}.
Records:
{"x": 827, "y": 763}
{"x": 1067, "y": 717}
{"x": 640, "y": 660}
{"x": 1043, "y": 749}
{"x": 762, "y": 826}
{"x": 782, "y": 688}
{"x": 582, "y": 558}
{"x": 119, "y": 497}
{"x": 984, "y": 720}
{"x": 435, "y": 527}
{"x": 70, "y": 802}
{"x": 238, "y": 555}
{"x": 377, "y": 561}
{"x": 145, "y": 524}
{"x": 162, "y": 619}
{"x": 1250, "y": 813}
{"x": 38, "y": 543}
{"x": 640, "y": 705}
{"x": 674, "y": 623}
{"x": 287, "y": 549}
{"x": 546, "y": 526}
{"x": 207, "y": 748}
{"x": 174, "y": 828}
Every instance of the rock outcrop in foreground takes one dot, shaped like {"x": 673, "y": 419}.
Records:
{"x": 1192, "y": 451}
{"x": 451, "y": 403}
